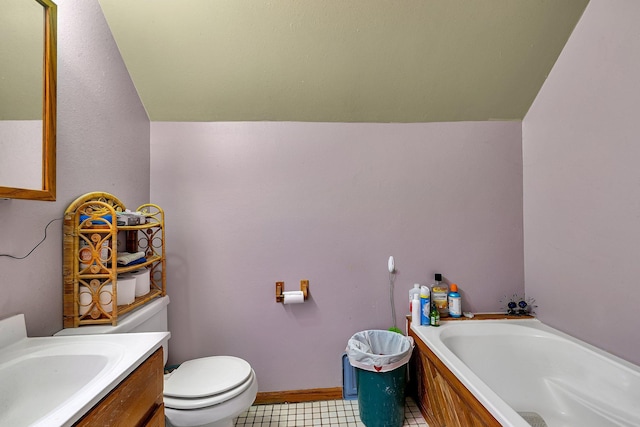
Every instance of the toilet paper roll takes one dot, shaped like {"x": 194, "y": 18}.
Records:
{"x": 293, "y": 297}
{"x": 105, "y": 296}
{"x": 85, "y": 300}
{"x": 126, "y": 289}
{"x": 143, "y": 282}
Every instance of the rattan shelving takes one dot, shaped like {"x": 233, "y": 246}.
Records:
{"x": 90, "y": 226}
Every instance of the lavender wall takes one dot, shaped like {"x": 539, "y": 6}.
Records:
{"x": 103, "y": 145}
{"x": 582, "y": 183}
{"x": 249, "y": 204}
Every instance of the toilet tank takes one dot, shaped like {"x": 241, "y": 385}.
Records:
{"x": 151, "y": 317}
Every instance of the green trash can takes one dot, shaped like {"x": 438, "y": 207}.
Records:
{"x": 381, "y": 397}
{"x": 380, "y": 358}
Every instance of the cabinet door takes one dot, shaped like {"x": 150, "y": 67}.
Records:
{"x": 134, "y": 402}
{"x": 157, "y": 418}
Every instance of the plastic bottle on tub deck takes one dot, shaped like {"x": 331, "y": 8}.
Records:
{"x": 416, "y": 309}
{"x": 455, "y": 302}
{"x": 412, "y": 292}
{"x": 439, "y": 295}
{"x": 425, "y": 305}
{"x": 434, "y": 316}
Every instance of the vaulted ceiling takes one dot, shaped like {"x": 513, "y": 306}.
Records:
{"x": 340, "y": 60}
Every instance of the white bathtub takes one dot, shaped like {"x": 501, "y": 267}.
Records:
{"x": 515, "y": 367}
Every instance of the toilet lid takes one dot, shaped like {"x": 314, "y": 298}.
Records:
{"x": 207, "y": 376}
{"x": 209, "y": 401}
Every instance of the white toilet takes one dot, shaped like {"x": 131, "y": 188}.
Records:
{"x": 205, "y": 392}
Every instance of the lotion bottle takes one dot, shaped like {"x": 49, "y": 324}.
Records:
{"x": 455, "y": 302}
{"x": 412, "y": 293}
{"x": 415, "y": 309}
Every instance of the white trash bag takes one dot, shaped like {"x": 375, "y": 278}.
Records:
{"x": 379, "y": 351}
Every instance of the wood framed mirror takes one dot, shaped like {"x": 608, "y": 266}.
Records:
{"x": 28, "y": 99}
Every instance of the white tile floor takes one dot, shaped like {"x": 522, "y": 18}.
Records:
{"x": 332, "y": 413}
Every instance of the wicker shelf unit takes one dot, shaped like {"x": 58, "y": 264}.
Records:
{"x": 91, "y": 242}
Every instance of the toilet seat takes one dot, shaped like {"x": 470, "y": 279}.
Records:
{"x": 207, "y": 381}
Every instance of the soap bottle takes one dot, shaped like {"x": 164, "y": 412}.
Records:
{"x": 434, "y": 316}
{"x": 425, "y": 305}
{"x": 439, "y": 292}
{"x": 416, "y": 309}
{"x": 412, "y": 292}
{"x": 455, "y": 302}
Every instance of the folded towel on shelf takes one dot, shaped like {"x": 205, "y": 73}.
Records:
{"x": 125, "y": 258}
{"x": 135, "y": 262}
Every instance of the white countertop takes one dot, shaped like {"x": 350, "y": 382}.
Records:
{"x": 38, "y": 390}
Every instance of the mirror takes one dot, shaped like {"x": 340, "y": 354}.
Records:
{"x": 28, "y": 99}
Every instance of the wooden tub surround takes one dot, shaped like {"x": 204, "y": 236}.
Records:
{"x": 443, "y": 400}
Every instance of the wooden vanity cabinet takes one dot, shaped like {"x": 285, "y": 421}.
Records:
{"x": 135, "y": 402}
{"x": 443, "y": 400}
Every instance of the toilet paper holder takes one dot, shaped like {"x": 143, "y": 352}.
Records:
{"x": 304, "y": 287}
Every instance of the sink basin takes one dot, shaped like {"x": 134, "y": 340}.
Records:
{"x": 39, "y": 378}
{"x": 51, "y": 381}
